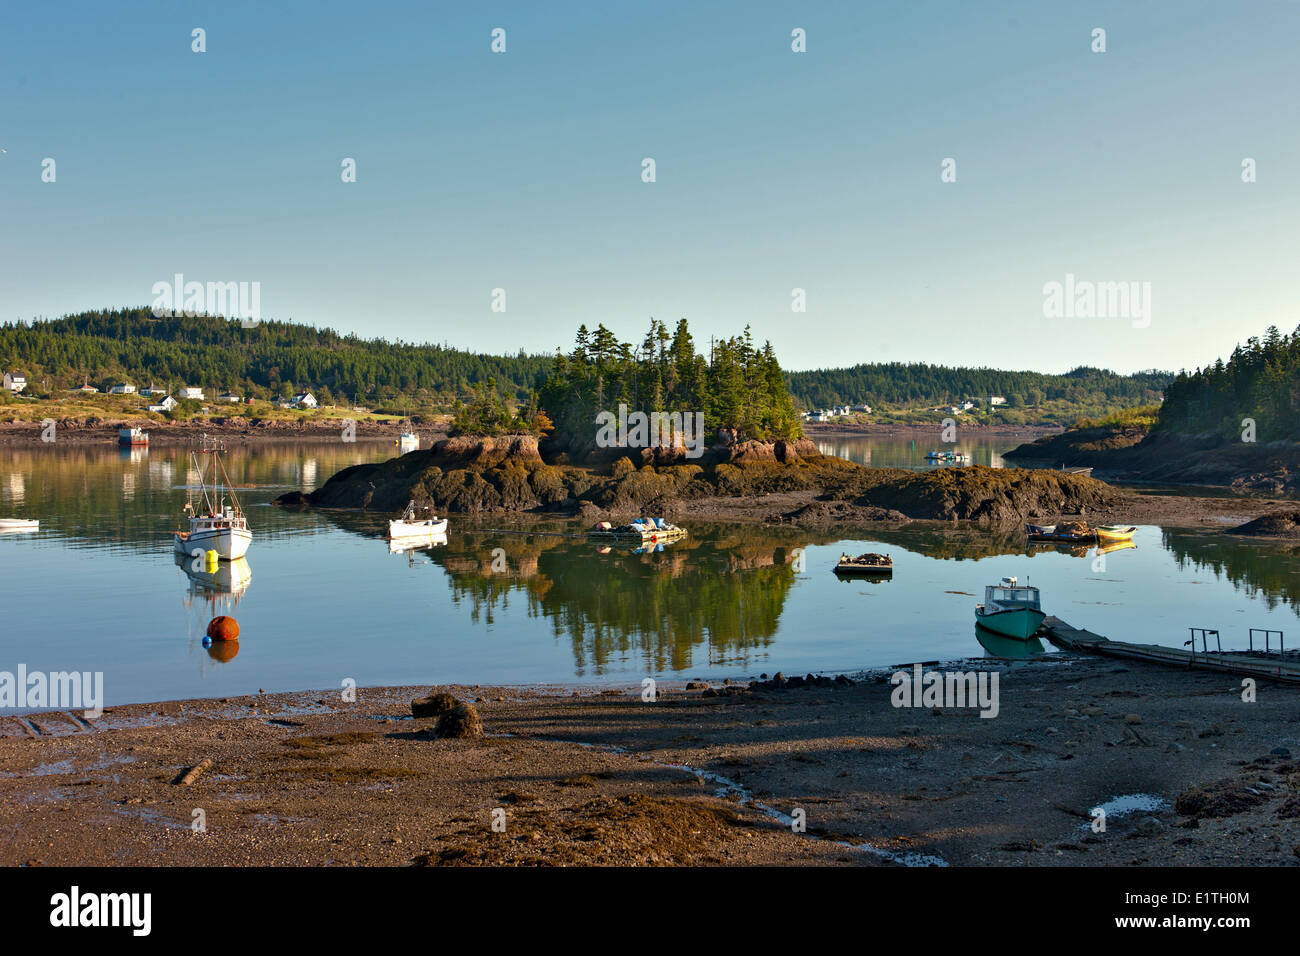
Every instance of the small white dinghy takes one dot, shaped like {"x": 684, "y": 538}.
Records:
{"x": 19, "y": 524}
{"x": 408, "y": 527}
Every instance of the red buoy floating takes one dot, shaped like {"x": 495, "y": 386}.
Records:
{"x": 654, "y": 538}
{"x": 223, "y": 628}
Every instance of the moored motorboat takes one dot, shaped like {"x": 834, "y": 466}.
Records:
{"x": 408, "y": 526}
{"x": 129, "y": 437}
{"x": 217, "y": 524}
{"x": 1033, "y": 529}
{"x": 1010, "y": 609}
{"x": 408, "y": 441}
{"x": 865, "y": 565}
{"x": 1114, "y": 533}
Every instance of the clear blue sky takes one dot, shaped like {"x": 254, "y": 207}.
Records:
{"x": 775, "y": 170}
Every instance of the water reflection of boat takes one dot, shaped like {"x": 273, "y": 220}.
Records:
{"x": 225, "y": 578}
{"x": 1108, "y": 547}
{"x": 19, "y": 524}
{"x": 1008, "y": 648}
{"x": 417, "y": 542}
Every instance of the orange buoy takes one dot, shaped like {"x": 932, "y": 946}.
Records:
{"x": 654, "y": 538}
{"x": 223, "y": 628}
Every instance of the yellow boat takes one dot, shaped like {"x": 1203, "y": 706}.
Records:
{"x": 1113, "y": 533}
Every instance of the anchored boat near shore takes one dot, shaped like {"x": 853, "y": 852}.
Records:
{"x": 865, "y": 565}
{"x": 645, "y": 530}
{"x": 408, "y": 526}
{"x": 219, "y": 523}
{"x": 1010, "y": 609}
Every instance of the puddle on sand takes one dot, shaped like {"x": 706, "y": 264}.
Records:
{"x": 1122, "y": 806}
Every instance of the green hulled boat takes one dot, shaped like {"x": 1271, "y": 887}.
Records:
{"x": 1010, "y": 609}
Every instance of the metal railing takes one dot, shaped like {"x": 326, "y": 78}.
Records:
{"x": 1205, "y": 633}
{"x": 1281, "y": 647}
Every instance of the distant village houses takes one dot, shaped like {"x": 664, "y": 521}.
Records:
{"x": 231, "y": 398}
{"x": 122, "y": 388}
{"x": 14, "y": 383}
{"x": 836, "y": 411}
{"x": 166, "y": 405}
{"x": 190, "y": 391}
{"x": 997, "y": 400}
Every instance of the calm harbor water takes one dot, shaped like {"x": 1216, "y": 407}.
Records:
{"x": 321, "y": 598}
{"x": 898, "y": 451}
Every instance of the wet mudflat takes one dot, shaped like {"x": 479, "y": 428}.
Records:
{"x": 1187, "y": 771}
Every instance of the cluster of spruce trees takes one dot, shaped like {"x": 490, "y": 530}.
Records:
{"x": 739, "y": 385}
{"x": 1260, "y": 381}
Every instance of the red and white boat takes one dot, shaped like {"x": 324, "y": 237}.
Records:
{"x": 130, "y": 437}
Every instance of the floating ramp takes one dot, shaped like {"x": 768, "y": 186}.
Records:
{"x": 1073, "y": 639}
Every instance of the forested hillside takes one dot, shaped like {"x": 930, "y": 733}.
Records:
{"x": 1260, "y": 381}
{"x": 269, "y": 359}
{"x": 1092, "y": 390}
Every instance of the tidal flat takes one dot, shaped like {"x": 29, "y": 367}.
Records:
{"x": 1187, "y": 771}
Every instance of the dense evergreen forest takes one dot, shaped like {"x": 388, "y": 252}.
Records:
{"x": 739, "y": 386}
{"x": 736, "y": 385}
{"x": 267, "y": 360}
{"x": 1260, "y": 381}
{"x": 899, "y": 384}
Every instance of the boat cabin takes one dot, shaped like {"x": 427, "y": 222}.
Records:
{"x": 1011, "y": 594}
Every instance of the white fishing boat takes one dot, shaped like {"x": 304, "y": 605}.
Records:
{"x": 408, "y": 441}
{"x": 408, "y": 526}
{"x": 218, "y": 524}
{"x": 129, "y": 437}
{"x": 1010, "y": 609}
{"x": 19, "y": 524}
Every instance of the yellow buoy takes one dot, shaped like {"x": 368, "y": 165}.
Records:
{"x": 210, "y": 561}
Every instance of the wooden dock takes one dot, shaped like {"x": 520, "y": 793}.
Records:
{"x": 1073, "y": 639}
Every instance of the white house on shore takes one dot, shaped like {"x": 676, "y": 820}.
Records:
{"x": 305, "y": 400}
{"x": 14, "y": 382}
{"x": 122, "y": 388}
{"x": 191, "y": 392}
{"x": 997, "y": 400}
{"x": 85, "y": 389}
{"x": 231, "y": 398}
{"x": 166, "y": 405}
